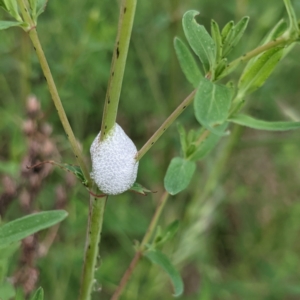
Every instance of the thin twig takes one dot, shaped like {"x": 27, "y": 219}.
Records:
{"x": 142, "y": 248}
{"x": 53, "y": 90}
{"x": 186, "y": 102}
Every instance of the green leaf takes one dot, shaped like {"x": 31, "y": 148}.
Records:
{"x": 37, "y": 8}
{"x": 221, "y": 67}
{"x": 187, "y": 62}
{"x": 275, "y": 32}
{"x": 2, "y": 4}
{"x": 294, "y": 27}
{"x": 157, "y": 257}
{"x": 138, "y": 188}
{"x": 234, "y": 36}
{"x": 199, "y": 40}
{"x": 32, "y": 4}
{"x": 263, "y": 125}
{"x": 227, "y": 30}
{"x": 256, "y": 75}
{"x": 171, "y": 229}
{"x": 211, "y": 104}
{"x": 239, "y": 30}
{"x": 216, "y": 35}
{"x": 179, "y": 175}
{"x": 38, "y": 295}
{"x": 8, "y": 24}
{"x": 20, "y": 228}
{"x": 167, "y": 234}
{"x": 207, "y": 145}
{"x": 182, "y": 136}
{"x": 40, "y": 6}
{"x": 228, "y": 38}
{"x": 11, "y": 7}
{"x": 76, "y": 170}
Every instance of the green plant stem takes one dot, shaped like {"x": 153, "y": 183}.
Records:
{"x": 142, "y": 247}
{"x": 53, "y": 90}
{"x": 92, "y": 245}
{"x": 186, "y": 102}
{"x": 281, "y": 41}
{"x": 126, "y": 18}
{"x": 202, "y": 137}
{"x": 127, "y": 13}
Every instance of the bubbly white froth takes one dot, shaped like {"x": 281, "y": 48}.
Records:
{"x": 114, "y": 168}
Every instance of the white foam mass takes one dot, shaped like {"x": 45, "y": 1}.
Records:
{"x": 114, "y": 168}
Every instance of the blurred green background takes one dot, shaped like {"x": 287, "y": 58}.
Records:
{"x": 239, "y": 218}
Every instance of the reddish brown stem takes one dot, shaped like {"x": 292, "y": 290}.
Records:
{"x": 127, "y": 275}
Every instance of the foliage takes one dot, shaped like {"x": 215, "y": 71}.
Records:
{"x": 251, "y": 251}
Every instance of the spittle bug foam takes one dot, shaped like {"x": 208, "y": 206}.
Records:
{"x": 114, "y": 167}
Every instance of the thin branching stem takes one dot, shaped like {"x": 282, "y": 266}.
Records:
{"x": 142, "y": 248}
{"x": 169, "y": 121}
{"x": 53, "y": 90}
{"x": 281, "y": 41}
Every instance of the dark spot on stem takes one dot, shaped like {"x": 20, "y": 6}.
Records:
{"x": 152, "y": 143}
{"x": 76, "y": 156}
{"x": 125, "y": 10}
{"x": 45, "y": 78}
{"x": 89, "y": 247}
{"x": 118, "y": 52}
{"x": 244, "y": 54}
{"x": 34, "y": 48}
{"x": 108, "y": 100}
{"x": 164, "y": 129}
{"x": 184, "y": 107}
{"x": 113, "y": 73}
{"x": 90, "y": 232}
{"x": 105, "y": 126}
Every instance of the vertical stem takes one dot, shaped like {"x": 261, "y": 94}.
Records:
{"x": 58, "y": 105}
{"x": 92, "y": 246}
{"x": 53, "y": 90}
{"x": 127, "y": 13}
{"x": 25, "y": 52}
{"x": 138, "y": 255}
